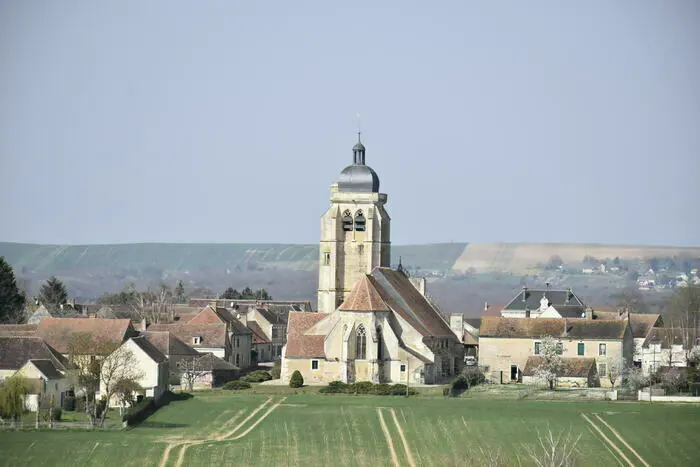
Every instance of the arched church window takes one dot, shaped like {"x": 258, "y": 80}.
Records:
{"x": 361, "y": 343}
{"x": 359, "y": 221}
{"x": 380, "y": 352}
{"x": 347, "y": 221}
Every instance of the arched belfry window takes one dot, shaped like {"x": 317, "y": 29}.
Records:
{"x": 361, "y": 343}
{"x": 359, "y": 221}
{"x": 347, "y": 221}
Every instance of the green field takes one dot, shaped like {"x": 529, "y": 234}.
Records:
{"x": 248, "y": 429}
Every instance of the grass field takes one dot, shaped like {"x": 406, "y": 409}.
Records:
{"x": 278, "y": 429}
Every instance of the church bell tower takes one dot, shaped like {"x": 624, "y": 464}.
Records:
{"x": 354, "y": 232}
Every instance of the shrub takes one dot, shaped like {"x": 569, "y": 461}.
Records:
{"x": 56, "y": 414}
{"x": 257, "y": 376}
{"x": 460, "y": 383}
{"x": 382, "y": 389}
{"x": 474, "y": 376}
{"x": 364, "y": 387}
{"x": 139, "y": 411}
{"x": 276, "y": 370}
{"x": 296, "y": 381}
{"x": 400, "y": 390}
{"x": 236, "y": 385}
{"x": 335, "y": 387}
{"x": 69, "y": 404}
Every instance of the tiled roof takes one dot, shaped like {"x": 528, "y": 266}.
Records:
{"x": 530, "y": 298}
{"x": 300, "y": 344}
{"x": 571, "y": 367}
{"x": 364, "y": 297}
{"x": 18, "y": 330}
{"x": 642, "y": 324}
{"x": 168, "y": 344}
{"x": 212, "y": 335}
{"x": 16, "y": 351}
{"x": 185, "y": 317}
{"x": 403, "y": 298}
{"x": 687, "y": 337}
{"x": 210, "y": 315}
{"x": 58, "y": 332}
{"x": 150, "y": 350}
{"x": 210, "y": 362}
{"x": 259, "y": 336}
{"x": 555, "y": 327}
{"x": 47, "y": 368}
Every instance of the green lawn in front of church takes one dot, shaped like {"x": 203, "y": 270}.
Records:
{"x": 312, "y": 429}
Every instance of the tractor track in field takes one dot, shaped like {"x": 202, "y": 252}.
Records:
{"x": 611, "y": 443}
{"x": 390, "y": 441}
{"x": 231, "y": 435}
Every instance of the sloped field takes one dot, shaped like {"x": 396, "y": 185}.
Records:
{"x": 518, "y": 257}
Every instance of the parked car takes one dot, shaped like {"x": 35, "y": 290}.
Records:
{"x": 470, "y": 361}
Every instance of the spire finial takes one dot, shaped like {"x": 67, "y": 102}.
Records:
{"x": 359, "y": 149}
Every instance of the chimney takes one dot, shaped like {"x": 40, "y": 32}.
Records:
{"x": 486, "y": 306}
{"x": 565, "y": 327}
{"x": 420, "y": 284}
{"x": 143, "y": 325}
{"x": 457, "y": 324}
{"x": 589, "y": 313}
{"x": 524, "y": 294}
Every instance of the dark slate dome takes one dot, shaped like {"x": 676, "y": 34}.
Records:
{"x": 358, "y": 177}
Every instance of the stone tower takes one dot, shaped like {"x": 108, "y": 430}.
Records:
{"x": 354, "y": 232}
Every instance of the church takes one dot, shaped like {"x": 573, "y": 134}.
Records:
{"x": 374, "y": 323}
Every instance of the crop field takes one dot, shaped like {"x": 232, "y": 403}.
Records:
{"x": 279, "y": 429}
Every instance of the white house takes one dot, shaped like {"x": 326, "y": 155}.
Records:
{"x": 137, "y": 358}
{"x": 48, "y": 385}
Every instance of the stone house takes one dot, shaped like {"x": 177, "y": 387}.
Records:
{"x": 668, "y": 347}
{"x": 16, "y": 351}
{"x": 384, "y": 331}
{"x": 545, "y": 303}
{"x": 240, "y": 337}
{"x": 269, "y": 327}
{"x": 204, "y": 338}
{"x": 505, "y": 344}
{"x": 209, "y": 371}
{"x": 576, "y": 372}
{"x": 146, "y": 362}
{"x": 173, "y": 348}
{"x": 96, "y": 335}
{"x": 641, "y": 324}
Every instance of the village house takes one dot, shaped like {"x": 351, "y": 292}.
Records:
{"x": 137, "y": 357}
{"x": 87, "y": 338}
{"x": 467, "y": 330}
{"x": 207, "y": 371}
{"x": 505, "y": 344}
{"x": 668, "y": 347}
{"x": 239, "y": 336}
{"x": 16, "y": 351}
{"x": 575, "y": 373}
{"x": 545, "y": 303}
{"x": 173, "y": 348}
{"x": 48, "y": 386}
{"x": 641, "y": 325}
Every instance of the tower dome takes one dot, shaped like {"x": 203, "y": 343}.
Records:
{"x": 358, "y": 177}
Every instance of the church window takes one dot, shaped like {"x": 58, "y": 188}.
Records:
{"x": 380, "y": 353}
{"x": 347, "y": 221}
{"x": 361, "y": 343}
{"x": 238, "y": 359}
{"x": 314, "y": 364}
{"x": 403, "y": 368}
{"x": 359, "y": 221}
{"x": 327, "y": 258}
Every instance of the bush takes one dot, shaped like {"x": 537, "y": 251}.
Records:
{"x": 236, "y": 385}
{"x": 400, "y": 390}
{"x": 335, "y": 387}
{"x": 364, "y": 387}
{"x": 257, "y": 376}
{"x": 296, "y": 381}
{"x": 56, "y": 414}
{"x": 474, "y": 376}
{"x": 382, "y": 389}
{"x": 139, "y": 411}
{"x": 460, "y": 383}
{"x": 276, "y": 370}
{"x": 69, "y": 404}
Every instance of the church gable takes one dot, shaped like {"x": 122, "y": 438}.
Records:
{"x": 364, "y": 297}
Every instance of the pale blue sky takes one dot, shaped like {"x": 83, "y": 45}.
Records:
{"x": 163, "y": 121}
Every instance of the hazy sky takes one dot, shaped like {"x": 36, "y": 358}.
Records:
{"x": 164, "y": 121}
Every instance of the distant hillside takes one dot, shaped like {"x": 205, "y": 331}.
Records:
{"x": 49, "y": 259}
{"x": 520, "y": 257}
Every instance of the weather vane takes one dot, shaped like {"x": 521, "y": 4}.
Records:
{"x": 359, "y": 126}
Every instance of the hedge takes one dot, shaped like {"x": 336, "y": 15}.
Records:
{"x": 236, "y": 385}
{"x": 139, "y": 411}
{"x": 257, "y": 376}
{"x": 367, "y": 387}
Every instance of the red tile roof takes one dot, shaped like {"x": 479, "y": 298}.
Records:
{"x": 16, "y": 351}
{"x": 556, "y": 327}
{"x": 212, "y": 335}
{"x": 18, "y": 330}
{"x": 300, "y": 344}
{"x": 58, "y": 332}
{"x": 364, "y": 297}
{"x": 259, "y": 336}
{"x": 168, "y": 343}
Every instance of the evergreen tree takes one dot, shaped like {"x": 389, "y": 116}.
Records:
{"x": 11, "y": 297}
{"x": 180, "y": 292}
{"x": 297, "y": 380}
{"x": 53, "y": 293}
{"x": 231, "y": 294}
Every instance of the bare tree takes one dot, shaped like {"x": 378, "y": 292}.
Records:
{"x": 118, "y": 371}
{"x": 191, "y": 369}
{"x": 154, "y": 307}
{"x": 554, "y": 451}
{"x": 616, "y": 368}
{"x": 630, "y": 300}
{"x": 552, "y": 365}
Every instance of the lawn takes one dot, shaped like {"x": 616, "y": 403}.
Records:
{"x": 311, "y": 429}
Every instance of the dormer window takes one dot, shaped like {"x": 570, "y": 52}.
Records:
{"x": 197, "y": 340}
{"x": 359, "y": 221}
{"x": 347, "y": 221}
